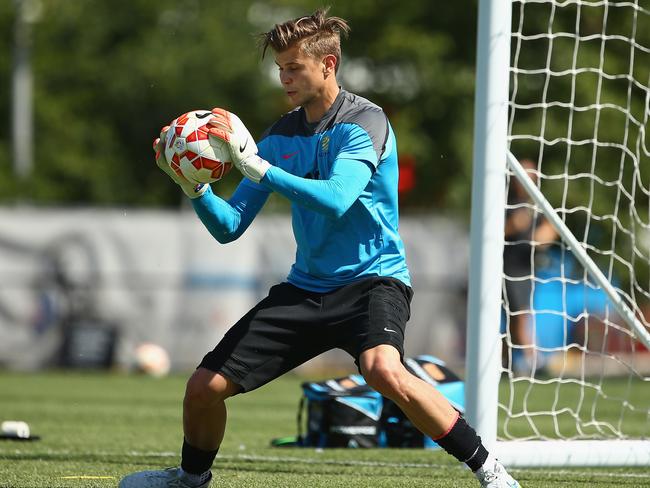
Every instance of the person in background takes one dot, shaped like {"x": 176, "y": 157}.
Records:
{"x": 527, "y": 235}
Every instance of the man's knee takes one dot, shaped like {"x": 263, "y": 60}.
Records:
{"x": 206, "y": 388}
{"x": 384, "y": 372}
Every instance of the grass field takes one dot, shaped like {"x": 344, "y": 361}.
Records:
{"x": 96, "y": 428}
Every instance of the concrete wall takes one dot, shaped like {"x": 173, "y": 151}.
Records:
{"x": 159, "y": 277}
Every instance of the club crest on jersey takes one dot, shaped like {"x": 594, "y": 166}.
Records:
{"x": 325, "y": 144}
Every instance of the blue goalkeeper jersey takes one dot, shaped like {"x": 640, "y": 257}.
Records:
{"x": 355, "y": 233}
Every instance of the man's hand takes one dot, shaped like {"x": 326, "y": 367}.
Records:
{"x": 192, "y": 190}
{"x": 227, "y": 127}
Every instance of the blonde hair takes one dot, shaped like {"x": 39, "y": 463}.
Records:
{"x": 316, "y": 34}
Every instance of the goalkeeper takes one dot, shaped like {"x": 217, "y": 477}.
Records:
{"x": 335, "y": 158}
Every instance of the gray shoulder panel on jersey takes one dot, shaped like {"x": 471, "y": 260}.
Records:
{"x": 370, "y": 117}
{"x": 348, "y": 108}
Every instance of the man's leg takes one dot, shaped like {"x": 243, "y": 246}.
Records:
{"x": 204, "y": 424}
{"x": 268, "y": 341}
{"x": 204, "y": 420}
{"x": 431, "y": 413}
{"x": 519, "y": 298}
{"x": 425, "y": 406}
{"x": 522, "y": 358}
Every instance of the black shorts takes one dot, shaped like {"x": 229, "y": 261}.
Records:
{"x": 518, "y": 294}
{"x": 518, "y": 287}
{"x": 291, "y": 326}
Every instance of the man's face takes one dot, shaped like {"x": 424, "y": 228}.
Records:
{"x": 302, "y": 77}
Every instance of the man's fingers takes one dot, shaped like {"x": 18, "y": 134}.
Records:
{"x": 157, "y": 148}
{"x": 220, "y": 133}
{"x": 220, "y": 122}
{"x": 220, "y": 112}
{"x": 221, "y": 118}
{"x": 163, "y": 133}
{"x": 159, "y": 142}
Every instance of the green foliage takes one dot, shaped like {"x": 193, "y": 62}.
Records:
{"x": 108, "y": 75}
{"x": 590, "y": 137}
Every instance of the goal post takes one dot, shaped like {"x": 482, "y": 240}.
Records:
{"x": 565, "y": 86}
{"x": 486, "y": 226}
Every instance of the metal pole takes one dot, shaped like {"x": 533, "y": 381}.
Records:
{"x": 21, "y": 101}
{"x": 487, "y": 219}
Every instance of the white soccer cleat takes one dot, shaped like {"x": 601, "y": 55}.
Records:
{"x": 493, "y": 475}
{"x": 163, "y": 478}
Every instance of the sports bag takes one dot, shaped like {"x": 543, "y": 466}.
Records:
{"x": 346, "y": 412}
{"x": 341, "y": 412}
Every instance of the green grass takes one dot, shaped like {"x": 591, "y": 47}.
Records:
{"x": 105, "y": 426}
{"x": 593, "y": 408}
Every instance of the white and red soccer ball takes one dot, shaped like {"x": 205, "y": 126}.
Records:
{"x": 152, "y": 359}
{"x": 191, "y": 153}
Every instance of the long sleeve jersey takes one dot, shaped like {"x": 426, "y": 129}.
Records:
{"x": 341, "y": 176}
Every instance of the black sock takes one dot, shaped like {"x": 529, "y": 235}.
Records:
{"x": 196, "y": 461}
{"x": 464, "y": 444}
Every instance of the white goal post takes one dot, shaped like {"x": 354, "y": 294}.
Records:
{"x": 565, "y": 85}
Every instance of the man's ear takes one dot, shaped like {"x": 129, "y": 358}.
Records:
{"x": 329, "y": 64}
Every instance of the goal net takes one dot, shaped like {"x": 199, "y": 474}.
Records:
{"x": 575, "y": 291}
{"x": 574, "y": 378}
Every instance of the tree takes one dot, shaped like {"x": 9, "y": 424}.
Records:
{"x": 109, "y": 74}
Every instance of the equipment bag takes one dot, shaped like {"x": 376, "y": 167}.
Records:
{"x": 342, "y": 412}
{"x": 346, "y": 412}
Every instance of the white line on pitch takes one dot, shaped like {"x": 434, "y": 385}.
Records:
{"x": 291, "y": 459}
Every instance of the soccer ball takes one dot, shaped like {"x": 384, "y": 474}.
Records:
{"x": 152, "y": 359}
{"x": 191, "y": 153}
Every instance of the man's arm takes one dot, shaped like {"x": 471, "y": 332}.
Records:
{"x": 227, "y": 220}
{"x": 353, "y": 167}
{"x": 331, "y": 197}
{"x": 545, "y": 233}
